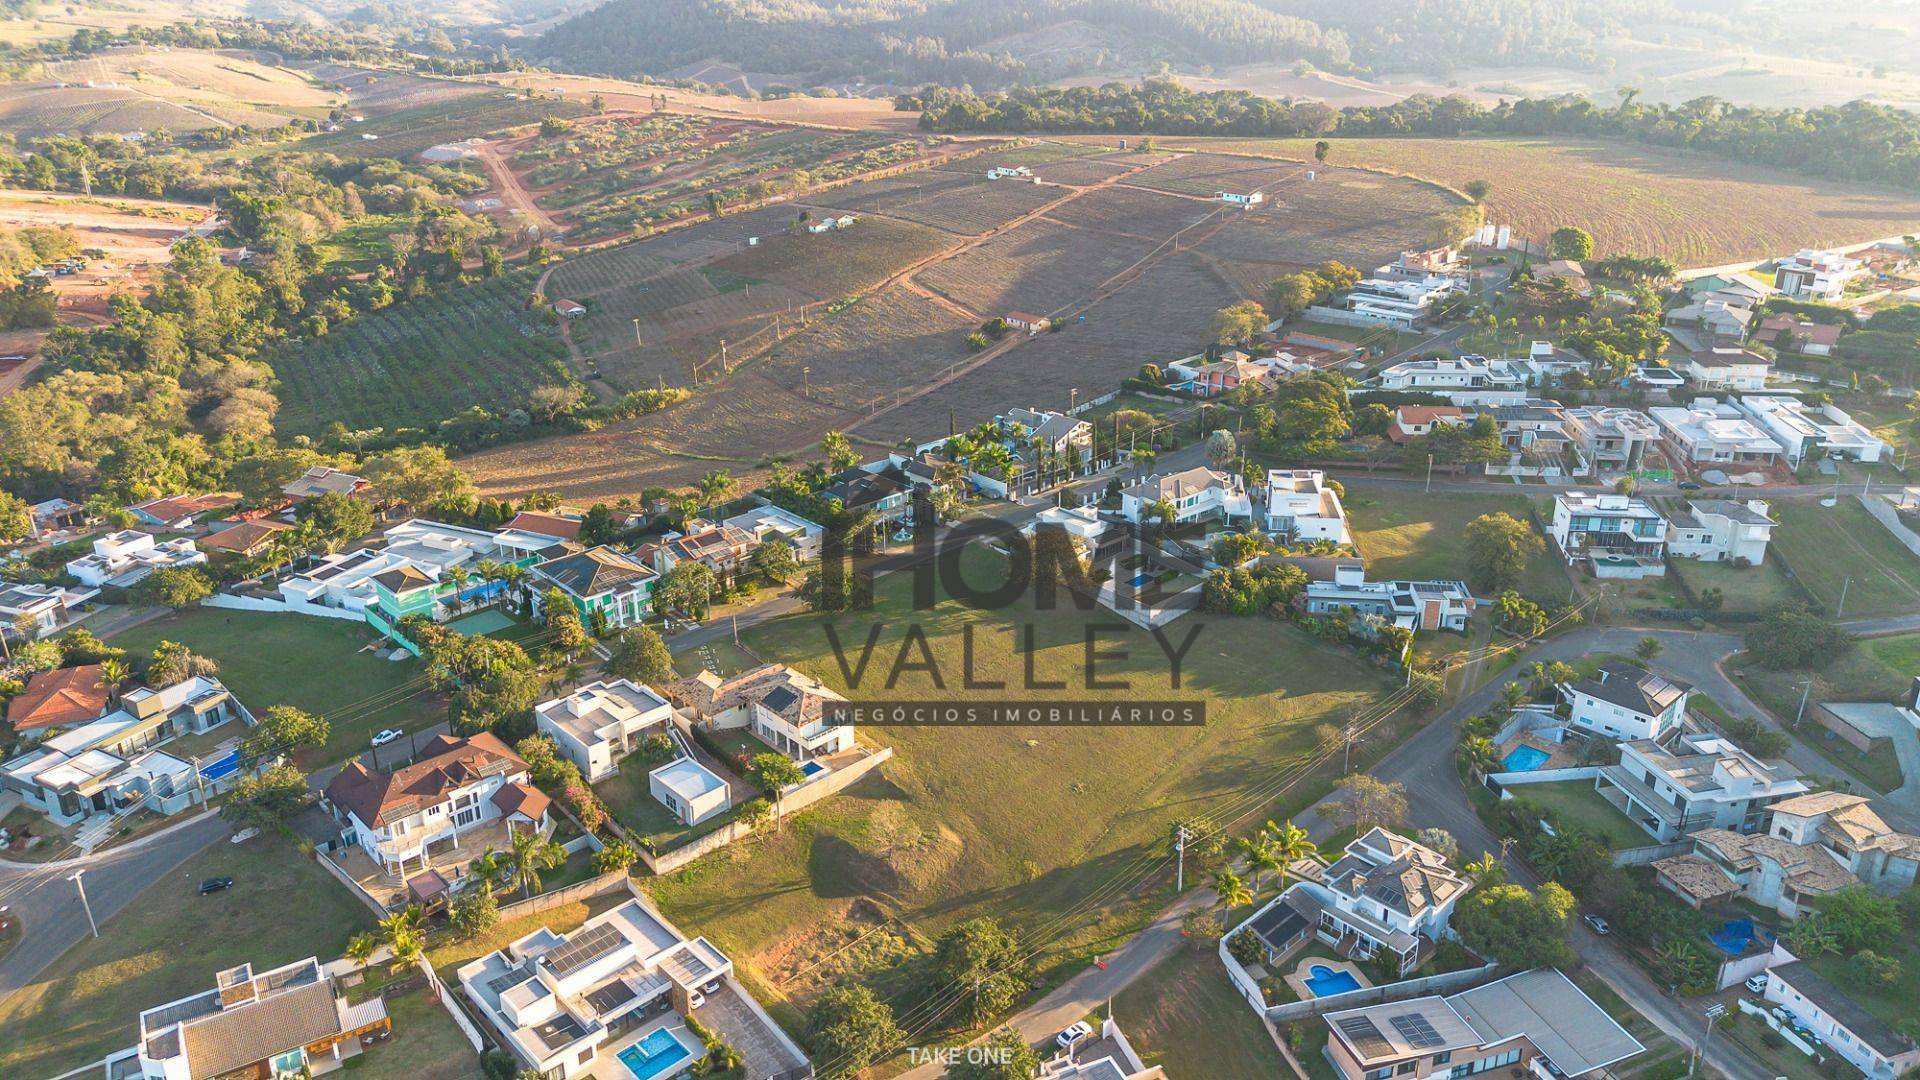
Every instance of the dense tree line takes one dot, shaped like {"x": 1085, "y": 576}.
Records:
{"x": 1857, "y": 141}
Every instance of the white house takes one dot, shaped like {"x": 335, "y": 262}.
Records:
{"x": 689, "y": 790}
{"x": 1721, "y": 530}
{"x": 618, "y": 989}
{"x": 1385, "y": 894}
{"x": 1301, "y": 505}
{"x": 1239, "y": 198}
{"x": 1848, "y": 1028}
{"x": 1616, "y": 535}
{"x": 127, "y": 557}
{"x": 1714, "y": 432}
{"x": 1726, "y": 368}
{"x": 1802, "y": 429}
{"x": 1810, "y": 274}
{"x": 1402, "y": 303}
{"x": 1416, "y": 605}
{"x": 455, "y": 786}
{"x": 437, "y": 547}
{"x": 1469, "y": 380}
{"x": 48, "y": 606}
{"x": 782, "y": 707}
{"x": 342, "y": 580}
{"x": 291, "y": 1020}
{"x": 769, "y": 522}
{"x": 1691, "y": 782}
{"x": 1610, "y": 439}
{"x": 1626, "y": 702}
{"x": 602, "y": 722}
{"x": 1194, "y": 494}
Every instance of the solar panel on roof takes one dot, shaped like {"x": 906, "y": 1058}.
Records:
{"x": 584, "y": 948}
{"x": 500, "y": 984}
{"x": 1417, "y": 1031}
{"x": 1365, "y": 1037}
{"x": 780, "y": 698}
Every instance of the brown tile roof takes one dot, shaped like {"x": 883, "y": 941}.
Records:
{"x": 535, "y": 521}
{"x": 523, "y": 799}
{"x": 706, "y": 694}
{"x": 72, "y": 695}
{"x": 1697, "y": 877}
{"x": 174, "y": 507}
{"x": 239, "y": 1036}
{"x": 449, "y": 763}
{"x": 245, "y": 537}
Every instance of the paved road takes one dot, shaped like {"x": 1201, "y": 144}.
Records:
{"x": 48, "y": 904}
{"x": 1358, "y": 476}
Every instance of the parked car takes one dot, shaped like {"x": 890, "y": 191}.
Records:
{"x": 215, "y": 884}
{"x": 1757, "y": 984}
{"x": 711, "y": 988}
{"x": 1598, "y": 924}
{"x": 1079, "y": 1030}
{"x": 1689, "y": 485}
{"x": 387, "y": 735}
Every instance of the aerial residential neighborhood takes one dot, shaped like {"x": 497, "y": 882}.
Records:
{"x": 1098, "y": 541}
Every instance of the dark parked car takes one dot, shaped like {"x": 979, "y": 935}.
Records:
{"x": 1689, "y": 485}
{"x": 215, "y": 884}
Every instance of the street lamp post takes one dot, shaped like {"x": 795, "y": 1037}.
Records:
{"x": 82, "y": 886}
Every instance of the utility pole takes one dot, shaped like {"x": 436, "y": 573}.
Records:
{"x": 1842, "y": 605}
{"x": 1805, "y": 691}
{"x": 1429, "y": 474}
{"x": 637, "y": 343}
{"x": 1180, "y": 854}
{"x": 1714, "y": 1012}
{"x": 806, "y": 382}
{"x": 82, "y": 886}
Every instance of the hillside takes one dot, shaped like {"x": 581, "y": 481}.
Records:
{"x": 1003, "y": 42}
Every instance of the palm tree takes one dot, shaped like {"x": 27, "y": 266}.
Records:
{"x": 401, "y": 932}
{"x": 114, "y": 671}
{"x": 361, "y": 947}
{"x": 716, "y": 487}
{"x": 1231, "y": 890}
{"x": 1550, "y": 855}
{"x": 532, "y": 855}
{"x": 488, "y": 569}
{"x": 1291, "y": 844}
{"x": 1261, "y": 855}
{"x": 1477, "y": 751}
{"x": 488, "y": 866}
{"x": 1487, "y": 869}
{"x": 1512, "y": 696}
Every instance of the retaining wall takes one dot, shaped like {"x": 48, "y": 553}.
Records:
{"x": 831, "y": 784}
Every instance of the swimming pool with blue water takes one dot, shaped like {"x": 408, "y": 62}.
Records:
{"x": 1326, "y": 981}
{"x": 1525, "y": 759}
{"x": 655, "y": 1055}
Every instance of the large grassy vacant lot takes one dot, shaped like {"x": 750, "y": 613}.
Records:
{"x": 1407, "y": 534}
{"x": 1027, "y": 824}
{"x": 169, "y": 943}
{"x": 319, "y": 665}
{"x": 1187, "y": 1018}
{"x": 1694, "y": 209}
{"x": 1827, "y": 546}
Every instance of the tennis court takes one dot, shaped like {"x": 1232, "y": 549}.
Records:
{"x": 490, "y": 621}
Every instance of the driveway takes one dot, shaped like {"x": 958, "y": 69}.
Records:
{"x": 48, "y": 903}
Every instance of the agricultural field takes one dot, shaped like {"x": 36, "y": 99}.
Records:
{"x": 1009, "y": 822}
{"x": 1844, "y": 547}
{"x": 138, "y": 89}
{"x": 80, "y": 110}
{"x": 1204, "y": 175}
{"x": 1694, "y": 209}
{"x": 616, "y": 176}
{"x": 1040, "y": 267}
{"x": 1340, "y": 213}
{"x": 421, "y": 361}
{"x": 875, "y": 114}
{"x": 889, "y": 339}
{"x": 976, "y": 206}
{"x": 406, "y": 132}
{"x": 1131, "y": 211}
{"x": 374, "y": 92}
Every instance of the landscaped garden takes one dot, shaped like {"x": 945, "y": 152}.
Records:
{"x": 169, "y": 942}
{"x": 1580, "y": 805}
{"x": 320, "y": 665}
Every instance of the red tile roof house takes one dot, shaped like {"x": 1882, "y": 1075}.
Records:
{"x": 243, "y": 538}
{"x": 560, "y": 526}
{"x": 1413, "y": 421}
{"x": 1223, "y": 376}
{"x": 413, "y": 817}
{"x": 60, "y": 698}
{"x": 1799, "y": 335}
{"x": 177, "y": 512}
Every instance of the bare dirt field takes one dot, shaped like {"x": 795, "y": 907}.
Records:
{"x": 378, "y": 92}
{"x": 1040, "y": 267}
{"x": 866, "y": 113}
{"x": 140, "y": 88}
{"x": 1694, "y": 209}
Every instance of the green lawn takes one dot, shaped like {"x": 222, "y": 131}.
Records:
{"x": 168, "y": 943}
{"x": 1828, "y": 546}
{"x": 319, "y": 665}
{"x": 1187, "y": 1018}
{"x": 1860, "y": 674}
{"x": 1753, "y": 588}
{"x": 1582, "y": 806}
{"x": 426, "y": 1044}
{"x": 634, "y": 806}
{"x": 1409, "y": 534}
{"x": 1897, "y": 654}
{"x": 447, "y": 953}
{"x": 1893, "y": 1003}
{"x": 1021, "y": 823}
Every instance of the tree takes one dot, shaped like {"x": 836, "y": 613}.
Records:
{"x": 1236, "y": 324}
{"x": 774, "y": 560}
{"x": 688, "y": 588}
{"x": 174, "y": 586}
{"x": 979, "y": 958}
{"x": 848, "y": 1028}
{"x": 282, "y": 730}
{"x": 531, "y": 856}
{"x": 1792, "y": 636}
{"x": 1221, "y": 449}
{"x": 361, "y": 947}
{"x": 1877, "y": 969}
{"x": 1368, "y": 801}
{"x": 563, "y": 620}
{"x": 1321, "y": 149}
{"x": 1439, "y": 840}
{"x": 756, "y": 813}
{"x": 1498, "y": 548}
{"x": 265, "y": 802}
{"x": 1477, "y": 190}
{"x": 614, "y": 856}
{"x": 1571, "y": 243}
{"x": 1860, "y": 917}
{"x": 1291, "y": 844}
{"x": 839, "y": 453}
{"x": 639, "y": 655}
{"x": 551, "y": 401}
{"x": 1260, "y": 854}
{"x": 1231, "y": 890}
{"x": 16, "y": 520}
{"x": 716, "y": 487}
{"x": 172, "y": 663}
{"x": 1508, "y": 924}
{"x": 1008, "y": 1058}
{"x": 1646, "y": 649}
{"x": 419, "y": 477}
{"x": 403, "y": 937}
{"x": 771, "y": 772}
{"x": 475, "y": 912}
{"x": 334, "y": 518}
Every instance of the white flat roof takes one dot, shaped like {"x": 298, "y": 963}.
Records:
{"x": 687, "y": 778}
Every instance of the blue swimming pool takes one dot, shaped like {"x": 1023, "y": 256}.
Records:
{"x": 811, "y": 769}
{"x": 1140, "y": 580}
{"x": 221, "y": 766}
{"x": 1326, "y": 981}
{"x": 654, "y": 1055}
{"x": 1525, "y": 759}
